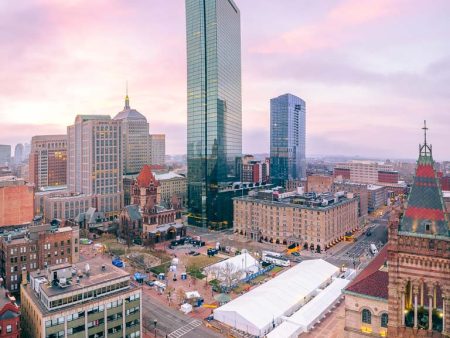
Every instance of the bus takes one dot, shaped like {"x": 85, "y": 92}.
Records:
{"x": 275, "y": 258}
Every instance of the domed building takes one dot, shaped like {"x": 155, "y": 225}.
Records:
{"x": 135, "y": 139}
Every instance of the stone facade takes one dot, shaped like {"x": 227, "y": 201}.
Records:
{"x": 357, "y": 326}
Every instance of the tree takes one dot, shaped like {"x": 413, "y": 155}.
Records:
{"x": 230, "y": 274}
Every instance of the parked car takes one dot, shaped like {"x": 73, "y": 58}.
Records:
{"x": 191, "y": 253}
{"x": 295, "y": 254}
{"x": 196, "y": 254}
{"x": 150, "y": 282}
{"x": 209, "y": 318}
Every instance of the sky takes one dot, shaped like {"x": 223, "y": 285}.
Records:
{"x": 369, "y": 71}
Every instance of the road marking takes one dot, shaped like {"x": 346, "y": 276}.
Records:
{"x": 185, "y": 329}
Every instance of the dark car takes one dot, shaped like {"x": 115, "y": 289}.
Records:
{"x": 295, "y": 254}
{"x": 196, "y": 254}
{"x": 150, "y": 282}
{"x": 209, "y": 318}
{"x": 368, "y": 233}
{"x": 191, "y": 252}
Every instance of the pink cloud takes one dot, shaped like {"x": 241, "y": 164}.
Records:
{"x": 339, "y": 25}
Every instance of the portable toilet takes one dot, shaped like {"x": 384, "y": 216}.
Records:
{"x": 183, "y": 276}
{"x": 161, "y": 276}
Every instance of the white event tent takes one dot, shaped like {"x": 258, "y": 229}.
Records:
{"x": 311, "y": 312}
{"x": 259, "y": 310}
{"x": 244, "y": 263}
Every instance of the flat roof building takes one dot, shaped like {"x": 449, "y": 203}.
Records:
{"x": 88, "y": 299}
{"x": 313, "y": 221}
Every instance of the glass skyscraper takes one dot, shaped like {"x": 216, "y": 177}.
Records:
{"x": 287, "y": 138}
{"x": 214, "y": 134}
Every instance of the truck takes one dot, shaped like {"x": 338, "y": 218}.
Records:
{"x": 373, "y": 249}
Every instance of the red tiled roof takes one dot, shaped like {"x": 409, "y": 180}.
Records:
{"x": 145, "y": 177}
{"x": 375, "y": 285}
{"x": 371, "y": 281}
{"x": 424, "y": 213}
{"x": 425, "y": 170}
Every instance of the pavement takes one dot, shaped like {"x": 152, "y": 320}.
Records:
{"x": 330, "y": 327}
{"x": 171, "y": 322}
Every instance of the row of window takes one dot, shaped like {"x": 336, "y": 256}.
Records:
{"x": 366, "y": 318}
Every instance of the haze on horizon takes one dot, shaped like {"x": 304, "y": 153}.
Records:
{"x": 369, "y": 71}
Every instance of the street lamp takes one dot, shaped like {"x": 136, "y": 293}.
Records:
{"x": 155, "y": 322}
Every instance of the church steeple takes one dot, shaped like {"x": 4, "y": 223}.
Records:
{"x": 127, "y": 99}
{"x": 426, "y": 213}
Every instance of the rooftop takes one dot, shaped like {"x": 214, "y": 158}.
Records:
{"x": 96, "y": 276}
{"x": 167, "y": 176}
{"x": 372, "y": 281}
{"x": 306, "y": 201}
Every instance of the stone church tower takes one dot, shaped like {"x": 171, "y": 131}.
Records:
{"x": 419, "y": 259}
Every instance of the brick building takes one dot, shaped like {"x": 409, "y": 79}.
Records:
{"x": 358, "y": 189}
{"x": 9, "y": 316}
{"x": 16, "y": 201}
{"x": 388, "y": 176}
{"x": 36, "y": 248}
{"x": 319, "y": 183}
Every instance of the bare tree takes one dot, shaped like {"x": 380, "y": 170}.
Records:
{"x": 229, "y": 274}
{"x": 180, "y": 296}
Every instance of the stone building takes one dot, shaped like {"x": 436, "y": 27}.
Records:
{"x": 419, "y": 259}
{"x": 310, "y": 220}
{"x": 366, "y": 300}
{"x": 130, "y": 223}
{"x": 90, "y": 299}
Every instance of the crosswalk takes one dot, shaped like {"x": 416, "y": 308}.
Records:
{"x": 185, "y": 329}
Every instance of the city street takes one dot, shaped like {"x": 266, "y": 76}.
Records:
{"x": 172, "y": 322}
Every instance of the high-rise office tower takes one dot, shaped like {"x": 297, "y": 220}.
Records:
{"x": 18, "y": 153}
{"x": 157, "y": 149}
{"x": 5, "y": 154}
{"x": 94, "y": 160}
{"x": 48, "y": 161}
{"x": 214, "y": 134}
{"x": 287, "y": 138}
{"x": 135, "y": 138}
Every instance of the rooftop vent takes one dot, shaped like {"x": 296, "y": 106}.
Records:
{"x": 103, "y": 267}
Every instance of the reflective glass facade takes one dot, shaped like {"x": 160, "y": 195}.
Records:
{"x": 214, "y": 135}
{"x": 287, "y": 138}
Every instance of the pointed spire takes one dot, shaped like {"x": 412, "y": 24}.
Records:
{"x": 425, "y": 149}
{"x": 127, "y": 99}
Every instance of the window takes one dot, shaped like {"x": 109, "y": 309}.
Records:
{"x": 8, "y": 328}
{"x": 366, "y": 316}
{"x": 384, "y": 320}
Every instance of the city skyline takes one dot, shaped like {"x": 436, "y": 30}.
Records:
{"x": 348, "y": 60}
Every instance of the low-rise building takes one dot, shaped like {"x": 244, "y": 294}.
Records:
{"x": 9, "y": 316}
{"x": 366, "y": 301}
{"x": 313, "y": 221}
{"x": 89, "y": 299}
{"x": 36, "y": 247}
{"x": 16, "y": 201}
{"x": 358, "y": 189}
{"x": 377, "y": 196}
{"x": 319, "y": 183}
{"x": 172, "y": 184}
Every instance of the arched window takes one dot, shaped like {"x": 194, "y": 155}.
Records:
{"x": 384, "y": 320}
{"x": 366, "y": 316}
